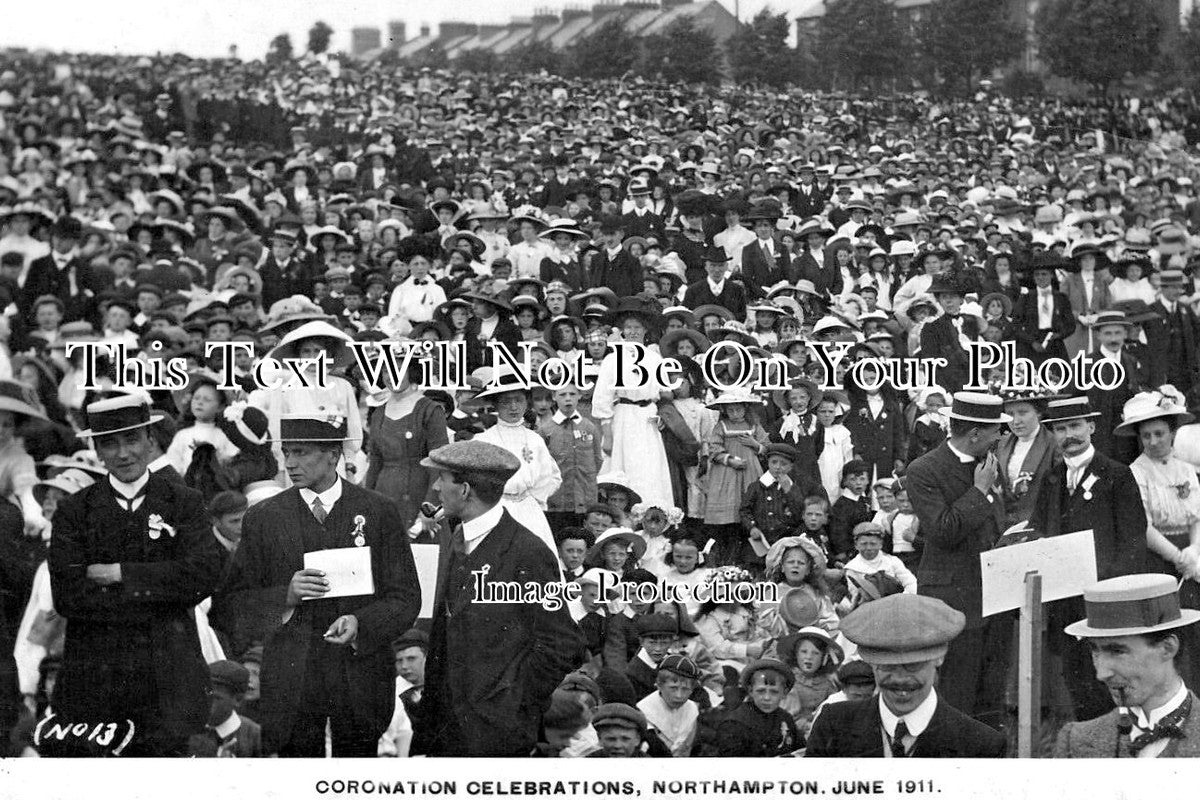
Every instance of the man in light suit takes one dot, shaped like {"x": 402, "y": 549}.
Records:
{"x": 325, "y": 660}
{"x": 1133, "y": 627}
{"x": 905, "y": 639}
{"x": 491, "y": 666}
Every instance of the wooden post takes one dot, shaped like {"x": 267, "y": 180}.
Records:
{"x": 1029, "y": 665}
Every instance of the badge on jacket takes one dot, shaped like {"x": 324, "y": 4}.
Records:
{"x": 156, "y": 527}
{"x": 360, "y": 522}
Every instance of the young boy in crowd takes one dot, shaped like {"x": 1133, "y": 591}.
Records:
{"x": 857, "y": 680}
{"x": 568, "y": 727}
{"x": 814, "y": 524}
{"x": 885, "y": 503}
{"x": 573, "y": 544}
{"x": 851, "y": 508}
{"x": 670, "y": 713}
{"x": 759, "y": 727}
{"x": 576, "y": 446}
{"x": 598, "y": 518}
{"x": 229, "y": 735}
{"x": 656, "y": 633}
{"x": 621, "y": 729}
{"x": 773, "y": 505}
{"x": 868, "y": 541}
{"x": 906, "y": 529}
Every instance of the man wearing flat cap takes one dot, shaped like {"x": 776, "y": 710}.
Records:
{"x": 953, "y": 490}
{"x": 131, "y": 557}
{"x": 326, "y": 660}
{"x": 905, "y": 639}
{"x": 491, "y": 667}
{"x": 1133, "y": 627}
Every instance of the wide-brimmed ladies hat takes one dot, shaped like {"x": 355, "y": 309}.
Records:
{"x": 20, "y": 400}
{"x": 503, "y": 382}
{"x": 731, "y": 398}
{"x": 620, "y": 481}
{"x": 636, "y": 545}
{"x": 118, "y": 414}
{"x": 780, "y": 397}
{"x": 562, "y": 225}
{"x": 786, "y": 648}
{"x": 925, "y": 301}
{"x": 288, "y": 346}
{"x": 634, "y": 307}
{"x": 1132, "y": 605}
{"x": 1006, "y": 303}
{"x": 710, "y": 310}
{"x": 476, "y": 245}
{"x": 1145, "y": 406}
{"x": 732, "y": 330}
{"x": 668, "y": 345}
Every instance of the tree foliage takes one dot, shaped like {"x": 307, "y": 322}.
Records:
{"x": 318, "y": 37}
{"x": 534, "y": 57}
{"x": 477, "y": 59}
{"x": 966, "y": 39}
{"x": 682, "y": 53}
{"x": 864, "y": 42}
{"x": 608, "y": 53}
{"x": 1097, "y": 41}
{"x": 280, "y": 49}
{"x": 759, "y": 52}
{"x": 432, "y": 56}
{"x": 1187, "y": 51}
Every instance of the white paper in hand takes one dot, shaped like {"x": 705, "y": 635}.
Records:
{"x": 348, "y": 570}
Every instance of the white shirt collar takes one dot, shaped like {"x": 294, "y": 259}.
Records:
{"x": 229, "y": 726}
{"x": 717, "y": 288}
{"x": 963, "y": 457}
{"x": 849, "y": 495}
{"x": 613, "y": 252}
{"x": 1151, "y": 719}
{"x": 328, "y": 497}
{"x": 229, "y": 546}
{"x": 916, "y": 720}
{"x": 1081, "y": 460}
{"x": 474, "y": 530}
{"x": 158, "y": 463}
{"x": 129, "y": 489}
{"x": 560, "y": 417}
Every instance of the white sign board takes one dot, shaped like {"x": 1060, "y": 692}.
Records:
{"x": 348, "y": 570}
{"x": 1066, "y": 563}
{"x": 426, "y": 558}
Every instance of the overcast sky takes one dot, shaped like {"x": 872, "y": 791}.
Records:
{"x": 209, "y": 27}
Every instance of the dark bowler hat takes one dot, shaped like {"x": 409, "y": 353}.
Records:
{"x": 118, "y": 414}
{"x": 716, "y": 255}
{"x": 903, "y": 628}
{"x": 474, "y": 458}
{"x": 1132, "y": 605}
{"x": 945, "y": 285}
{"x": 1069, "y": 408}
{"x": 987, "y": 409}
{"x": 327, "y": 425}
{"x": 231, "y": 675}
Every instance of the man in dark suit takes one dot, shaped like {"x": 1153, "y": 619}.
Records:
{"x": 954, "y": 495}
{"x": 62, "y": 274}
{"x": 1087, "y": 490}
{"x": 641, "y": 221}
{"x": 613, "y": 266}
{"x": 1110, "y": 329}
{"x": 326, "y": 660}
{"x": 943, "y": 337}
{"x": 717, "y": 289}
{"x": 1174, "y": 339}
{"x": 807, "y": 199}
{"x": 905, "y": 638}
{"x": 1134, "y": 630}
{"x": 491, "y": 322}
{"x": 764, "y": 260}
{"x": 492, "y": 666}
{"x": 809, "y": 266}
{"x": 284, "y": 272}
{"x": 130, "y": 558}
{"x": 1042, "y": 317}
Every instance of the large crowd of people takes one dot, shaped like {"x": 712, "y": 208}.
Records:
{"x": 758, "y": 571}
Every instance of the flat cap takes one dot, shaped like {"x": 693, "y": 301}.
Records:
{"x": 868, "y": 529}
{"x": 619, "y": 715}
{"x": 578, "y": 682}
{"x": 474, "y": 457}
{"x": 657, "y": 624}
{"x": 413, "y": 637}
{"x": 768, "y": 665}
{"x": 902, "y": 629}
{"x": 231, "y": 675}
{"x": 856, "y": 673}
{"x": 680, "y": 665}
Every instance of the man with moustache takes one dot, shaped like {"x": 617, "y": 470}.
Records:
{"x": 1087, "y": 490}
{"x": 1132, "y": 627}
{"x": 904, "y": 638}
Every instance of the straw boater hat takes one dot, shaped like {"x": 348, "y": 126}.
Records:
{"x": 1069, "y": 408}
{"x": 1145, "y": 406}
{"x": 1131, "y": 605}
{"x": 987, "y": 409}
{"x": 118, "y": 414}
{"x": 324, "y": 425}
{"x": 19, "y": 399}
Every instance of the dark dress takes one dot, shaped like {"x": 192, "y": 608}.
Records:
{"x": 396, "y": 449}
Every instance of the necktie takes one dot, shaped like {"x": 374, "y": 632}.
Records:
{"x": 420, "y": 283}
{"x": 1046, "y": 304}
{"x": 319, "y": 510}
{"x": 767, "y": 252}
{"x": 898, "y": 749}
{"x": 131, "y": 503}
{"x": 458, "y": 541}
{"x": 1074, "y": 473}
{"x": 1169, "y": 727}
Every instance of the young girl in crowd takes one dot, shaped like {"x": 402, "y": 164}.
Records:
{"x": 932, "y": 426}
{"x": 836, "y": 449}
{"x": 204, "y": 409}
{"x": 796, "y": 563}
{"x": 730, "y": 630}
{"x": 906, "y": 529}
{"x": 657, "y": 526}
{"x": 686, "y": 571}
{"x": 813, "y": 656}
{"x": 733, "y": 449}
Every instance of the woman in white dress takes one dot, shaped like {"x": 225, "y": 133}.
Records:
{"x": 528, "y": 491}
{"x": 628, "y": 415}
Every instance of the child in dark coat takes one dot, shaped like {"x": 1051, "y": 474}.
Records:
{"x": 759, "y": 727}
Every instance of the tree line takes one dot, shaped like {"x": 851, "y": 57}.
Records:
{"x": 946, "y": 46}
